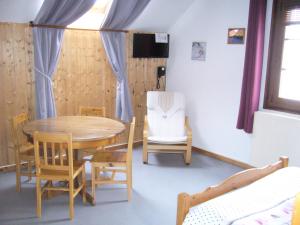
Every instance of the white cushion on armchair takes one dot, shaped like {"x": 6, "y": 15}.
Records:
{"x": 166, "y": 117}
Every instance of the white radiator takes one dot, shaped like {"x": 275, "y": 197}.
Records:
{"x": 275, "y": 134}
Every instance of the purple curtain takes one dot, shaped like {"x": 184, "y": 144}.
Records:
{"x": 253, "y": 65}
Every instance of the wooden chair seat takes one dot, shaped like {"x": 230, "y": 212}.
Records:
{"x": 61, "y": 175}
{"x": 109, "y": 157}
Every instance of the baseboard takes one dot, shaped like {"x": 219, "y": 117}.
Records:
{"x": 215, "y": 156}
{"x": 222, "y": 158}
{"x": 11, "y": 167}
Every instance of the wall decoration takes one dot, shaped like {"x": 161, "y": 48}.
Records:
{"x": 236, "y": 35}
{"x": 199, "y": 51}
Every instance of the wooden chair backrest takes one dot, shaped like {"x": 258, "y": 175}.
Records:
{"x": 130, "y": 140}
{"x": 92, "y": 111}
{"x": 56, "y": 149}
{"x": 18, "y": 122}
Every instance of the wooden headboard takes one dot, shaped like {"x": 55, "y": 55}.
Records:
{"x": 238, "y": 180}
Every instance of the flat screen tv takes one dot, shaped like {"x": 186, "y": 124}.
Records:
{"x": 144, "y": 46}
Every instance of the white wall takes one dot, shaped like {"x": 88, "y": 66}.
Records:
{"x": 212, "y": 88}
{"x": 19, "y": 11}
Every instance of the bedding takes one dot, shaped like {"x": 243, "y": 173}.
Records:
{"x": 278, "y": 215}
{"x": 263, "y": 195}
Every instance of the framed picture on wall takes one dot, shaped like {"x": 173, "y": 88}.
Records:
{"x": 199, "y": 51}
{"x": 236, "y": 36}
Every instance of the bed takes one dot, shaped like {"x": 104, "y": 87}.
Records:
{"x": 257, "y": 196}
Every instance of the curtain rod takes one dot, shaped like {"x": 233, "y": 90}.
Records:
{"x": 70, "y": 28}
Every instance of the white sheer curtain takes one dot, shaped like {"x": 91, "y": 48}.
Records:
{"x": 47, "y": 45}
{"x": 121, "y": 14}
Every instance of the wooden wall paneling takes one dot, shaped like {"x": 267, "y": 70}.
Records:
{"x": 142, "y": 78}
{"x": 83, "y": 77}
{"x": 86, "y": 77}
{"x": 16, "y": 54}
{"x": 7, "y": 55}
{"x": 77, "y": 79}
{"x": 110, "y": 85}
{"x": 9, "y": 88}
{"x": 3, "y": 134}
{"x": 18, "y": 91}
{"x": 29, "y": 71}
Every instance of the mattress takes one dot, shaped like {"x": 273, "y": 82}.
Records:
{"x": 262, "y": 195}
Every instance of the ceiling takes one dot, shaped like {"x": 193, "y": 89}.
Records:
{"x": 158, "y": 16}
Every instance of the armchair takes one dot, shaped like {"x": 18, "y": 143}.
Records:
{"x": 166, "y": 128}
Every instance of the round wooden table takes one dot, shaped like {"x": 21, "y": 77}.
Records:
{"x": 87, "y": 131}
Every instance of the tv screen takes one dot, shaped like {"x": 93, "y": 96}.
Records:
{"x": 144, "y": 46}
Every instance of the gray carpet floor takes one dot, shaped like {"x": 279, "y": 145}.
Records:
{"x": 154, "y": 198}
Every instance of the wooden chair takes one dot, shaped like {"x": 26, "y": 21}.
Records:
{"x": 116, "y": 162}
{"x": 23, "y": 149}
{"x": 51, "y": 168}
{"x": 92, "y": 111}
{"x": 166, "y": 128}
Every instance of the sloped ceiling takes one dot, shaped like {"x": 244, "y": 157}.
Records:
{"x": 159, "y": 15}
{"x": 19, "y": 11}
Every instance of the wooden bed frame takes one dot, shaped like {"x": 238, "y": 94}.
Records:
{"x": 238, "y": 180}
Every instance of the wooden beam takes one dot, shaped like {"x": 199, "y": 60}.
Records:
{"x": 71, "y": 28}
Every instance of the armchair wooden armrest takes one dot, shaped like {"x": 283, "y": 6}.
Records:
{"x": 145, "y": 140}
{"x": 188, "y": 128}
{"x": 145, "y": 131}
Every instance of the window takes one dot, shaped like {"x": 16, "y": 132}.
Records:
{"x": 94, "y": 17}
{"x": 283, "y": 77}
